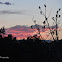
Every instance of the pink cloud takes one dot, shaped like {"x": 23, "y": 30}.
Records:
{"x": 23, "y": 32}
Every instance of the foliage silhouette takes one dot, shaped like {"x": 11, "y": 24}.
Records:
{"x": 53, "y": 32}
{"x": 30, "y": 50}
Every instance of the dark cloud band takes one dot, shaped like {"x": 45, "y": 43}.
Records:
{"x": 20, "y": 12}
{"x": 6, "y": 3}
{"x": 10, "y": 12}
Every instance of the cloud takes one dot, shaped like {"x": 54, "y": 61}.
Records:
{"x": 6, "y": 3}
{"x": 1, "y": 3}
{"x": 12, "y": 12}
{"x": 9, "y": 12}
{"x": 23, "y": 12}
{"x": 20, "y": 31}
{"x": 23, "y": 31}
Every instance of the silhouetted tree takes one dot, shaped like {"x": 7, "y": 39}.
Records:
{"x": 10, "y": 36}
{"x": 2, "y": 31}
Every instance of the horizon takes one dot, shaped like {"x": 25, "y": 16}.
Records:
{"x": 24, "y": 31}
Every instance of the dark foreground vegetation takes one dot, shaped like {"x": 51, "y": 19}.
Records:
{"x": 30, "y": 50}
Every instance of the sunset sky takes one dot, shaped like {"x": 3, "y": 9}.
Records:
{"x": 21, "y": 12}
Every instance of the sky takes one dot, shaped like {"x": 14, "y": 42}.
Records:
{"x": 21, "y": 12}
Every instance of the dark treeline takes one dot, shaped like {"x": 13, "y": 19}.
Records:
{"x": 30, "y": 50}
